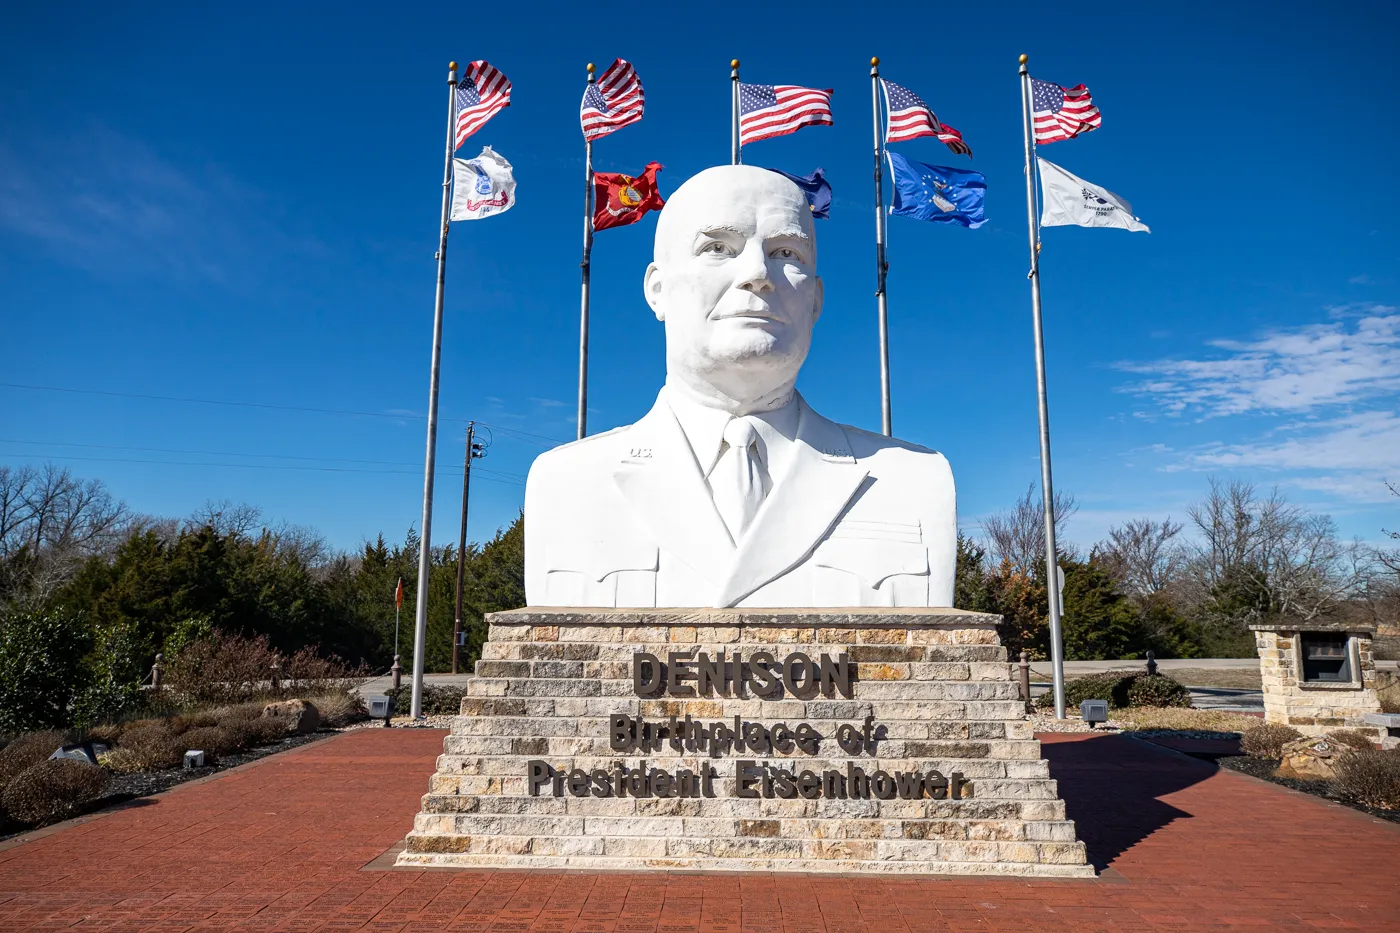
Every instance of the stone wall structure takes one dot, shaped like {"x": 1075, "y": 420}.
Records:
{"x": 532, "y": 775}
{"x": 1315, "y": 708}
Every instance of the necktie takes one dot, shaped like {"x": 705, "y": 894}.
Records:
{"x": 737, "y": 479}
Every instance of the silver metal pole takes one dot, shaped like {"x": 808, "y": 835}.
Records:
{"x": 420, "y": 629}
{"x": 735, "y": 150}
{"x": 586, "y": 266}
{"x": 881, "y": 263}
{"x": 1047, "y": 489}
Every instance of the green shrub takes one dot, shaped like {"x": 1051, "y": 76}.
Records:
{"x": 1267, "y": 739}
{"x": 1351, "y": 739}
{"x": 41, "y": 669}
{"x": 26, "y": 751}
{"x": 214, "y": 741}
{"x": 1370, "y": 776}
{"x": 1157, "y": 690}
{"x": 52, "y": 790}
{"x": 437, "y": 701}
{"x": 1122, "y": 689}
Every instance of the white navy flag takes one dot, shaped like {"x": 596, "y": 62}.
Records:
{"x": 1070, "y": 200}
{"x": 482, "y": 186}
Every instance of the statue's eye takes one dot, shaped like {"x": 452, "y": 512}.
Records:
{"x": 785, "y": 252}
{"x": 716, "y": 248}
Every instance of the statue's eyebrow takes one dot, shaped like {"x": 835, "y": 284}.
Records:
{"x": 710, "y": 231}
{"x": 794, "y": 233}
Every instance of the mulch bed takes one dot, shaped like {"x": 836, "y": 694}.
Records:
{"x": 1263, "y": 768}
{"x": 125, "y": 787}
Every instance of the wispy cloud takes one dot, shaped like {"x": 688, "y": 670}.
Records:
{"x": 120, "y": 208}
{"x": 1323, "y": 399}
{"x": 1352, "y": 358}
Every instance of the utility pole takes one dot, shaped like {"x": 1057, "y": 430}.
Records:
{"x": 473, "y": 451}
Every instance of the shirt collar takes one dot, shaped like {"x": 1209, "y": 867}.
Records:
{"x": 703, "y": 427}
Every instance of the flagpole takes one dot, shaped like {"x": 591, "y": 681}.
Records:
{"x": 1047, "y": 491}
{"x": 586, "y": 266}
{"x": 420, "y": 628}
{"x": 881, "y": 265}
{"x": 735, "y": 153}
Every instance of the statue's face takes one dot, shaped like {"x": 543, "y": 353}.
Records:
{"x": 735, "y": 273}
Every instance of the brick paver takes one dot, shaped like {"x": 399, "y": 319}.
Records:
{"x": 281, "y": 845}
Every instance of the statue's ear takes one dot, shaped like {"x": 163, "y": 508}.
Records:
{"x": 651, "y": 287}
{"x": 817, "y": 300}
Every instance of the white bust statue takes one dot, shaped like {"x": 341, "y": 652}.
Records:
{"x": 732, "y": 491}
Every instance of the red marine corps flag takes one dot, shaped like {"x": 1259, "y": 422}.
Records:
{"x": 621, "y": 199}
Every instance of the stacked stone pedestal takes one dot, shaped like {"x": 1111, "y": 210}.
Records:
{"x": 936, "y": 681}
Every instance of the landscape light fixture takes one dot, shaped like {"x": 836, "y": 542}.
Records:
{"x": 381, "y": 707}
{"x": 1094, "y": 711}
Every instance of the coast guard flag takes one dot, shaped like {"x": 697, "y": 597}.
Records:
{"x": 1070, "y": 200}
{"x": 482, "y": 186}
{"x": 936, "y": 192}
{"x": 816, "y": 188}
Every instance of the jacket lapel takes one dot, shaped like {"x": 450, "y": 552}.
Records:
{"x": 809, "y": 495}
{"x": 663, "y": 486}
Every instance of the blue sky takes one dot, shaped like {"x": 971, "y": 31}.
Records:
{"x": 239, "y": 204}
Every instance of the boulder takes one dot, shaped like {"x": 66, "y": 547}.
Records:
{"x": 298, "y": 716}
{"x": 1310, "y": 759}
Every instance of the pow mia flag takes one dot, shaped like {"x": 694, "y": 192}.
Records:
{"x": 1070, "y": 200}
{"x": 482, "y": 186}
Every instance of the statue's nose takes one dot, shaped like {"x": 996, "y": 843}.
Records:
{"x": 752, "y": 271}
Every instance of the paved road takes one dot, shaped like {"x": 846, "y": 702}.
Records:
{"x": 1218, "y": 698}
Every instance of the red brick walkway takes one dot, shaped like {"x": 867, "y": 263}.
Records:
{"x": 280, "y": 846}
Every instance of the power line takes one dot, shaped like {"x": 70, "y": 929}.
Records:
{"x": 518, "y": 434}
{"x": 509, "y": 479}
{"x": 231, "y": 453}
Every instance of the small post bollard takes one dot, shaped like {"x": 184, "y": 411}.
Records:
{"x": 397, "y": 673}
{"x": 1151, "y": 664}
{"x": 276, "y": 677}
{"x": 158, "y": 671}
{"x": 1026, "y": 680}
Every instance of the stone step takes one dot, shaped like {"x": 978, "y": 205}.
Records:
{"x": 888, "y": 853}
{"x": 893, "y": 711}
{"x": 976, "y": 808}
{"x": 472, "y": 746}
{"x": 855, "y": 826}
{"x": 515, "y": 784}
{"x": 569, "y": 726}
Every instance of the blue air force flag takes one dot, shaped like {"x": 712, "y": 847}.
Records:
{"x": 816, "y": 188}
{"x": 1070, "y": 200}
{"x": 482, "y": 186}
{"x": 937, "y": 193}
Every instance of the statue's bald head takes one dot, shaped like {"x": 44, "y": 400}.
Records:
{"x": 729, "y": 195}
{"x": 734, "y": 278}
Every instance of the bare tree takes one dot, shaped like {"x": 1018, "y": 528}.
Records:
{"x": 1018, "y": 534}
{"x": 50, "y": 522}
{"x": 1292, "y": 559}
{"x": 227, "y": 517}
{"x": 1144, "y": 556}
{"x": 1390, "y": 557}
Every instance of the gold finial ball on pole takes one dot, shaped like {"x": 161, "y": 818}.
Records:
{"x": 591, "y": 69}
{"x": 451, "y": 66}
{"x": 875, "y": 61}
{"x": 1024, "y": 58}
{"x": 734, "y": 63}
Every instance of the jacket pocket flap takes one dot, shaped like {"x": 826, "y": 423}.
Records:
{"x": 595, "y": 560}
{"x": 872, "y": 561}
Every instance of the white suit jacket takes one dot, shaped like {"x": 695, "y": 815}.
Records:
{"x": 626, "y": 519}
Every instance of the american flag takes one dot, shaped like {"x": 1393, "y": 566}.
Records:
{"x": 908, "y": 117}
{"x": 1061, "y": 112}
{"x": 767, "y": 110}
{"x": 614, "y": 102}
{"x": 481, "y": 94}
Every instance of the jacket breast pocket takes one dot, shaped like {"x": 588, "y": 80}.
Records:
{"x": 601, "y": 574}
{"x": 870, "y": 572}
